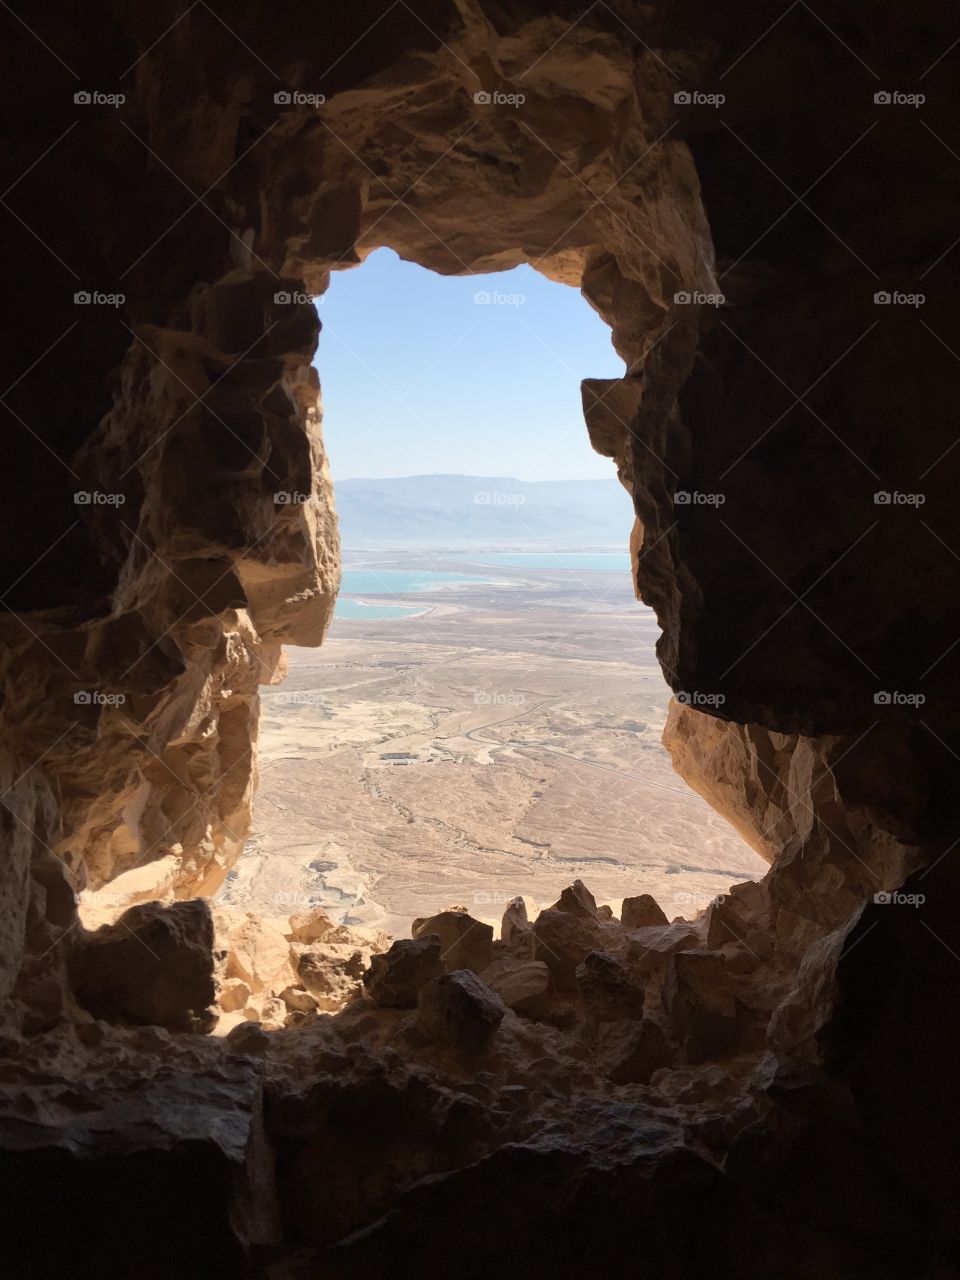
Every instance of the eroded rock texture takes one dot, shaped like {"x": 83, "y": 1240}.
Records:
{"x": 777, "y": 448}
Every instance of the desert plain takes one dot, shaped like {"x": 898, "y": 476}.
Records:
{"x": 503, "y": 740}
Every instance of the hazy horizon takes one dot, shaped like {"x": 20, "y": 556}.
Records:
{"x": 452, "y": 509}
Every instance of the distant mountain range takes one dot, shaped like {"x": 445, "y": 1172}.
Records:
{"x": 484, "y": 511}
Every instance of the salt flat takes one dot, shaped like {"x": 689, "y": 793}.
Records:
{"x": 504, "y": 740}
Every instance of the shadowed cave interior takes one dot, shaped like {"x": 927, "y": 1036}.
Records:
{"x": 765, "y": 1090}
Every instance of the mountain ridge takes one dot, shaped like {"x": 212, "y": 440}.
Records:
{"x": 482, "y": 510}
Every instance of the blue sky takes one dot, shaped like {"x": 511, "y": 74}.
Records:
{"x": 418, "y": 378}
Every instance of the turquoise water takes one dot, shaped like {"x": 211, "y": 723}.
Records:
{"x": 388, "y": 582}
{"x": 591, "y": 560}
{"x": 360, "y": 609}
{"x": 406, "y": 582}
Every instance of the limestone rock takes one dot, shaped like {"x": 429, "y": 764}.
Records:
{"x": 515, "y": 926}
{"x": 526, "y": 987}
{"x": 45, "y": 1005}
{"x": 641, "y": 912}
{"x": 332, "y": 974}
{"x": 309, "y": 926}
{"x": 631, "y": 1050}
{"x": 248, "y": 1038}
{"x": 460, "y": 1011}
{"x": 562, "y": 940}
{"x": 578, "y": 901}
{"x": 234, "y": 994}
{"x": 738, "y": 960}
{"x": 760, "y": 944}
{"x": 650, "y": 948}
{"x": 272, "y": 1011}
{"x": 257, "y": 951}
{"x": 157, "y": 1132}
{"x": 743, "y": 909}
{"x": 155, "y": 965}
{"x": 298, "y": 1001}
{"x": 395, "y": 977}
{"x": 733, "y": 767}
{"x": 700, "y": 1001}
{"x": 606, "y": 992}
{"x": 465, "y": 943}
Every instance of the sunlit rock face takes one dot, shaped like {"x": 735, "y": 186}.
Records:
{"x": 171, "y": 526}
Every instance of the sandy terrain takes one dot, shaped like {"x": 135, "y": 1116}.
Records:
{"x": 526, "y": 716}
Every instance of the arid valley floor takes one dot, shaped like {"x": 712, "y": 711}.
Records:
{"x": 473, "y": 752}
